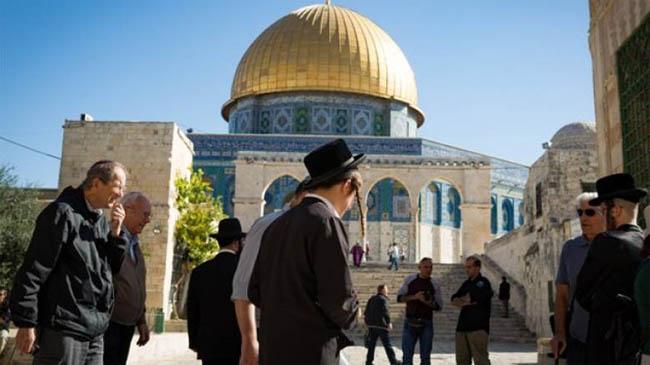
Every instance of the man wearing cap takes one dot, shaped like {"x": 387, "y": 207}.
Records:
{"x": 211, "y": 321}
{"x": 244, "y": 309}
{"x": 605, "y": 282}
{"x": 301, "y": 280}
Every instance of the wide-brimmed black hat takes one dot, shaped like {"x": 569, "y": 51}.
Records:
{"x": 330, "y": 160}
{"x": 229, "y": 229}
{"x": 619, "y": 186}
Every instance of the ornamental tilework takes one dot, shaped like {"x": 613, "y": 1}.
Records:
{"x": 322, "y": 120}
{"x": 265, "y": 122}
{"x": 361, "y": 124}
{"x": 301, "y": 120}
{"x": 378, "y": 125}
{"x": 341, "y": 122}
{"x": 282, "y": 120}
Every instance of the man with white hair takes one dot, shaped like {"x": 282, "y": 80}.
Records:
{"x": 571, "y": 320}
{"x": 605, "y": 285}
{"x": 129, "y": 286}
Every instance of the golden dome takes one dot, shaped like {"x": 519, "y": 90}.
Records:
{"x": 325, "y": 48}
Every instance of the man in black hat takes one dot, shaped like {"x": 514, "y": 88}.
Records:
{"x": 211, "y": 321}
{"x": 301, "y": 280}
{"x": 605, "y": 282}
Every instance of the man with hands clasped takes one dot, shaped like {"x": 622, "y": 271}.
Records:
{"x": 62, "y": 296}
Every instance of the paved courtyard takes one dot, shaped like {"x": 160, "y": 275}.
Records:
{"x": 171, "y": 348}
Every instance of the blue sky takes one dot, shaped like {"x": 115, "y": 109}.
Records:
{"x": 497, "y": 77}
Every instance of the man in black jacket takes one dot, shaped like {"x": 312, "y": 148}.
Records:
{"x": 605, "y": 285}
{"x": 62, "y": 296}
{"x": 301, "y": 279}
{"x": 377, "y": 318}
{"x": 474, "y": 298}
{"x": 211, "y": 320}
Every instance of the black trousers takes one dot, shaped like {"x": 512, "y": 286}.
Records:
{"x": 117, "y": 342}
{"x": 56, "y": 348}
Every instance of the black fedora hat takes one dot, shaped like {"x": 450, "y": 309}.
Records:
{"x": 229, "y": 229}
{"x": 617, "y": 186}
{"x": 329, "y": 160}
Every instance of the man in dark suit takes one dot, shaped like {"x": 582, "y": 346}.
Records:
{"x": 301, "y": 280}
{"x": 605, "y": 282}
{"x": 211, "y": 321}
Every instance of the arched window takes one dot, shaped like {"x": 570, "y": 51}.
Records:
{"x": 494, "y": 218}
{"x": 388, "y": 200}
{"x": 508, "y": 222}
{"x": 277, "y": 193}
{"x": 521, "y": 212}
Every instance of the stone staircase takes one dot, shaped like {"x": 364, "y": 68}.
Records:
{"x": 450, "y": 277}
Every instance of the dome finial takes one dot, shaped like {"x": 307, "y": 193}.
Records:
{"x": 328, "y": 2}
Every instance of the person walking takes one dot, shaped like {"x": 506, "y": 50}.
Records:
{"x": 301, "y": 280}
{"x": 605, "y": 285}
{"x": 129, "y": 286}
{"x": 571, "y": 321}
{"x": 474, "y": 300}
{"x": 393, "y": 256}
{"x": 62, "y": 296}
{"x": 211, "y": 321}
{"x": 377, "y": 319}
{"x": 422, "y": 296}
{"x": 357, "y": 254}
{"x": 244, "y": 309}
{"x": 642, "y": 293}
{"x": 504, "y": 296}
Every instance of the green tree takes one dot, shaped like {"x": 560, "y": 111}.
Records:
{"x": 199, "y": 212}
{"x": 18, "y": 211}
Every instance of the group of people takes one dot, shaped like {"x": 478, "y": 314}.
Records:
{"x": 602, "y": 297}
{"x": 80, "y": 292}
{"x": 422, "y": 295}
{"x": 79, "y": 296}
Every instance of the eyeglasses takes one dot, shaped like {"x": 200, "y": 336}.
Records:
{"x": 588, "y": 212}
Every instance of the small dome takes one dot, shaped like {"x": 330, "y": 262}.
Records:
{"x": 575, "y": 135}
{"x": 325, "y": 48}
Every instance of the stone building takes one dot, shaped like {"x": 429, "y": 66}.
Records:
{"x": 619, "y": 34}
{"x": 530, "y": 253}
{"x": 323, "y": 72}
{"x": 319, "y": 73}
{"x": 168, "y": 155}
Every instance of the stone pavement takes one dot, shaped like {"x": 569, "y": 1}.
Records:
{"x": 171, "y": 348}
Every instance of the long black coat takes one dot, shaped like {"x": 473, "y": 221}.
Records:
{"x": 302, "y": 284}
{"x": 609, "y": 270}
{"x": 211, "y": 321}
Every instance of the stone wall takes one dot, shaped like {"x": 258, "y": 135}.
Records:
{"x": 530, "y": 254}
{"x": 155, "y": 153}
{"x": 612, "y": 22}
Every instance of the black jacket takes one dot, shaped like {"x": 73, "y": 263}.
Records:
{"x": 377, "y": 312}
{"x": 65, "y": 281}
{"x": 476, "y": 316}
{"x": 302, "y": 283}
{"x": 609, "y": 270}
{"x": 211, "y": 321}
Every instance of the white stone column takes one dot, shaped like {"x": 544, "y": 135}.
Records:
{"x": 248, "y": 209}
{"x": 414, "y": 254}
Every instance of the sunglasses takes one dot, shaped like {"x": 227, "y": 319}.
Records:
{"x": 587, "y": 212}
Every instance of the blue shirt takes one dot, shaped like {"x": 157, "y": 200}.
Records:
{"x": 574, "y": 253}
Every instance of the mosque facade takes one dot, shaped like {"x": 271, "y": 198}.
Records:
{"x": 324, "y": 72}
